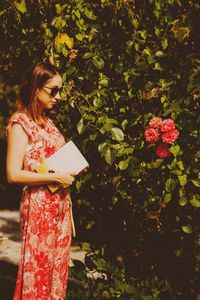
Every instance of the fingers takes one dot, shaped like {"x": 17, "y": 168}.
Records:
{"x": 71, "y": 179}
{"x": 73, "y": 174}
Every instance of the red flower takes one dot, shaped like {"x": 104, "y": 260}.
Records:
{"x": 170, "y": 136}
{"x": 167, "y": 125}
{"x": 155, "y": 122}
{"x": 151, "y": 135}
{"x": 162, "y": 150}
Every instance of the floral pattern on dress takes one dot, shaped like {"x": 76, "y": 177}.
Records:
{"x": 45, "y": 221}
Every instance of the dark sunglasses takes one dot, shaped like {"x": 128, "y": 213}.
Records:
{"x": 54, "y": 90}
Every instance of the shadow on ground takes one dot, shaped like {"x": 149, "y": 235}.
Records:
{"x": 11, "y": 229}
{"x": 8, "y": 274}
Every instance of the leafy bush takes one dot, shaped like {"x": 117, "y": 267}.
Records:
{"x": 101, "y": 279}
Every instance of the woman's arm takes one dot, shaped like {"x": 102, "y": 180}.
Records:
{"x": 17, "y": 143}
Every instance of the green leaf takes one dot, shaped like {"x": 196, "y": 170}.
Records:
{"x": 159, "y": 53}
{"x": 124, "y": 123}
{"x": 182, "y": 179}
{"x": 21, "y": 6}
{"x": 196, "y": 183}
{"x": 176, "y": 172}
{"x": 175, "y": 149}
{"x": 114, "y": 200}
{"x": 70, "y": 70}
{"x": 102, "y": 147}
{"x": 123, "y": 164}
{"x": 98, "y": 62}
{"x": 78, "y": 184}
{"x": 93, "y": 137}
{"x": 170, "y": 185}
{"x": 104, "y": 82}
{"x": 180, "y": 165}
{"x": 77, "y": 13}
{"x": 167, "y": 198}
{"x": 98, "y": 102}
{"x": 109, "y": 157}
{"x": 187, "y": 229}
{"x": 80, "y": 126}
{"x": 86, "y": 247}
{"x": 89, "y": 14}
{"x": 88, "y": 55}
{"x": 58, "y": 22}
{"x": 79, "y": 37}
{"x": 182, "y": 201}
{"x": 154, "y": 164}
{"x": 117, "y": 134}
{"x": 195, "y": 202}
{"x": 165, "y": 44}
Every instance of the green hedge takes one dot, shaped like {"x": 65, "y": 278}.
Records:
{"x": 123, "y": 63}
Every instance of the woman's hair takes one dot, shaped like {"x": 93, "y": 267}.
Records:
{"x": 35, "y": 77}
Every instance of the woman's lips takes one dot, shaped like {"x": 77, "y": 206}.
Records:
{"x": 53, "y": 102}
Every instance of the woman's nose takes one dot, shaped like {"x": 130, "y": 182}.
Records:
{"x": 57, "y": 96}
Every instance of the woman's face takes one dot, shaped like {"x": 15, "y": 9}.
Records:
{"x": 48, "y": 95}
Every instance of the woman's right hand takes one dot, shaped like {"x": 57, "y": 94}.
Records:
{"x": 65, "y": 179}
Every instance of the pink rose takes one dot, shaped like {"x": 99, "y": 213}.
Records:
{"x": 167, "y": 125}
{"x": 162, "y": 150}
{"x": 151, "y": 135}
{"x": 170, "y": 136}
{"x": 155, "y": 122}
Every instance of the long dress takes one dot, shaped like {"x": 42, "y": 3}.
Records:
{"x": 45, "y": 221}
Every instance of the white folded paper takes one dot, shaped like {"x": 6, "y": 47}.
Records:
{"x": 66, "y": 159}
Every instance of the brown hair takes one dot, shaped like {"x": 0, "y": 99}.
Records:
{"x": 35, "y": 77}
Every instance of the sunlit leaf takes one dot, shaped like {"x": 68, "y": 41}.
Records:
{"x": 187, "y": 229}
{"x": 182, "y": 179}
{"x": 195, "y": 202}
{"x": 98, "y": 62}
{"x": 21, "y": 6}
{"x": 196, "y": 182}
{"x": 117, "y": 134}
{"x": 123, "y": 164}
{"x": 64, "y": 39}
{"x": 109, "y": 157}
{"x": 170, "y": 185}
{"x": 167, "y": 198}
{"x": 182, "y": 201}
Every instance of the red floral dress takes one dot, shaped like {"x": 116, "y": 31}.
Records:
{"x": 45, "y": 221}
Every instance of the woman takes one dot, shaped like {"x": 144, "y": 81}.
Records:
{"x": 45, "y": 219}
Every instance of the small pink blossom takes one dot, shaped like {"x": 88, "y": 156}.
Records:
{"x": 155, "y": 122}
{"x": 170, "y": 136}
{"x": 151, "y": 135}
{"x": 162, "y": 150}
{"x": 167, "y": 125}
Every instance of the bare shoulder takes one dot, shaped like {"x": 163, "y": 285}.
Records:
{"x": 17, "y": 132}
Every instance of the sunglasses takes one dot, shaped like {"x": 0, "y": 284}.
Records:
{"x": 54, "y": 90}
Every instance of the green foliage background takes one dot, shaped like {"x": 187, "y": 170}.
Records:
{"x": 123, "y": 62}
